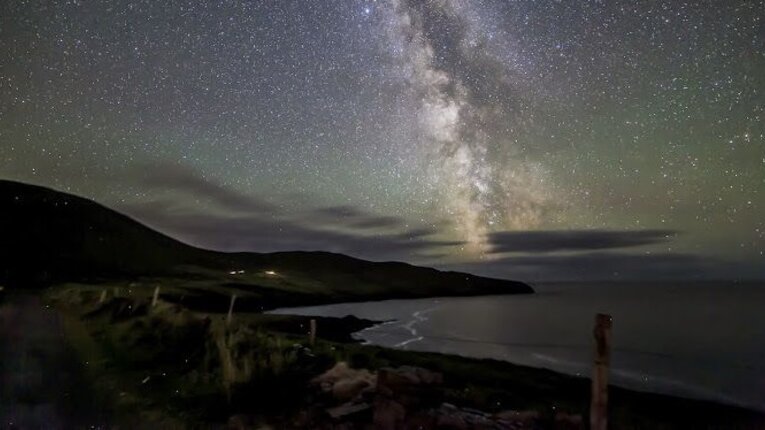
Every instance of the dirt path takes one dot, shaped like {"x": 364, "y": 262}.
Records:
{"x": 43, "y": 385}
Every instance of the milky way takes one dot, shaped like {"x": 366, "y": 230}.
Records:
{"x": 456, "y": 118}
{"x": 452, "y": 133}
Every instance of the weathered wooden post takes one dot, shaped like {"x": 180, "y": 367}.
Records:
{"x": 103, "y": 296}
{"x": 156, "y": 296}
{"x": 599, "y": 405}
{"x": 231, "y": 309}
{"x": 312, "y": 333}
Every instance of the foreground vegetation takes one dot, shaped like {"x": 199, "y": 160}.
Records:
{"x": 171, "y": 366}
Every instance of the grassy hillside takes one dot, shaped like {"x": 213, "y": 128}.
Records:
{"x": 51, "y": 237}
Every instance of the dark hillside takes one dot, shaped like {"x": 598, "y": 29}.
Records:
{"x": 49, "y": 236}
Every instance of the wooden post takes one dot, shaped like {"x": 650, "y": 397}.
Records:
{"x": 231, "y": 309}
{"x": 312, "y": 333}
{"x": 599, "y": 405}
{"x": 156, "y": 296}
{"x": 103, "y": 296}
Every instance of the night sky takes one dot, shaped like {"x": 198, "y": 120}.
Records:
{"x": 538, "y": 140}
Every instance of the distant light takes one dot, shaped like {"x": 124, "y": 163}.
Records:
{"x": 236, "y": 272}
{"x": 270, "y": 273}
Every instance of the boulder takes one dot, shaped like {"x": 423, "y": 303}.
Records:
{"x": 347, "y": 409}
{"x": 451, "y": 417}
{"x": 349, "y": 389}
{"x": 523, "y": 419}
{"x": 388, "y": 414}
{"x": 240, "y": 422}
{"x": 345, "y": 383}
{"x": 565, "y": 421}
{"x": 410, "y": 386}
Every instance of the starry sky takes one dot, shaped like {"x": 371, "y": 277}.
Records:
{"x": 538, "y": 140}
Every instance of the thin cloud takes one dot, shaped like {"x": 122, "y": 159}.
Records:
{"x": 574, "y": 240}
{"x": 351, "y": 216}
{"x": 603, "y": 266}
{"x": 179, "y": 178}
{"x": 268, "y": 234}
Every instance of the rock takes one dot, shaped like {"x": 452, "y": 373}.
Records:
{"x": 345, "y": 383}
{"x": 451, "y": 417}
{"x": 409, "y": 398}
{"x": 339, "y": 371}
{"x": 347, "y": 409}
{"x": 564, "y": 421}
{"x": 518, "y": 418}
{"x": 239, "y": 422}
{"x": 421, "y": 421}
{"x": 388, "y": 414}
{"x": 349, "y": 389}
{"x": 245, "y": 422}
{"x": 427, "y": 377}
{"x": 410, "y": 386}
{"x": 451, "y": 421}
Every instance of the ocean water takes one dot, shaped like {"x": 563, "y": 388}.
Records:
{"x": 694, "y": 340}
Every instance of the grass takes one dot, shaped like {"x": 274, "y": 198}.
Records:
{"x": 175, "y": 366}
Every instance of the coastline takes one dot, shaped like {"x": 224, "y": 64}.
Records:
{"x": 520, "y": 335}
{"x": 492, "y": 386}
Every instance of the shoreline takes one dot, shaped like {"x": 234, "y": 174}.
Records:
{"x": 622, "y": 398}
{"x": 126, "y": 338}
{"x": 629, "y": 376}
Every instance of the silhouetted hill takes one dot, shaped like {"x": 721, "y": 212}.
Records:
{"x": 49, "y": 236}
{"x": 53, "y": 236}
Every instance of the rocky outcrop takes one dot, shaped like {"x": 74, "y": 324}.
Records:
{"x": 346, "y": 384}
{"x": 410, "y": 398}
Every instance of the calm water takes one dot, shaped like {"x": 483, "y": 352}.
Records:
{"x": 703, "y": 341}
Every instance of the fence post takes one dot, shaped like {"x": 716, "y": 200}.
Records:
{"x": 599, "y": 405}
{"x": 103, "y": 296}
{"x": 156, "y": 296}
{"x": 231, "y": 309}
{"x": 312, "y": 333}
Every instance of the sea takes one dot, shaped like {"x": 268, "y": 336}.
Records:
{"x": 697, "y": 340}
